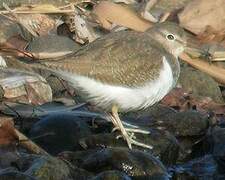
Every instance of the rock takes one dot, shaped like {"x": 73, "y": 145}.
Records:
{"x": 59, "y": 132}
{"x": 30, "y": 167}
{"x": 51, "y": 46}
{"x": 201, "y": 168}
{"x": 23, "y": 86}
{"x": 165, "y": 6}
{"x": 48, "y": 168}
{"x": 197, "y": 15}
{"x": 8, "y": 29}
{"x": 12, "y": 175}
{"x": 187, "y": 123}
{"x": 8, "y": 156}
{"x": 215, "y": 144}
{"x": 111, "y": 175}
{"x": 165, "y": 146}
{"x": 199, "y": 83}
{"x": 134, "y": 163}
{"x": 188, "y": 127}
{"x": 81, "y": 174}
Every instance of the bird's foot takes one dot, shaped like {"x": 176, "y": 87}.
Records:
{"x": 131, "y": 141}
{"x": 130, "y": 138}
{"x": 132, "y": 130}
{"x": 128, "y": 135}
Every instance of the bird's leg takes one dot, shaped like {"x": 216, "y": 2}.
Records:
{"x": 118, "y": 124}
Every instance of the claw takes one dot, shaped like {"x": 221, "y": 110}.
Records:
{"x": 137, "y": 131}
{"x": 128, "y": 137}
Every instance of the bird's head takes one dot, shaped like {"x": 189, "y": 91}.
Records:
{"x": 172, "y": 37}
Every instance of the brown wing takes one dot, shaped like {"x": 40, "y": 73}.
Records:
{"x": 122, "y": 58}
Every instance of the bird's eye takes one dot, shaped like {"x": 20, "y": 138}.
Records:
{"x": 170, "y": 37}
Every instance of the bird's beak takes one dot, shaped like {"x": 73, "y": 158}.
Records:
{"x": 195, "y": 49}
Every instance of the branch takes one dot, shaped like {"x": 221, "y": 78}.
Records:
{"x": 216, "y": 72}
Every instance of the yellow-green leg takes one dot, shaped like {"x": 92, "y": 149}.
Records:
{"x": 118, "y": 125}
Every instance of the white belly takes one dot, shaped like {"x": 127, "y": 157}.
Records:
{"x": 127, "y": 99}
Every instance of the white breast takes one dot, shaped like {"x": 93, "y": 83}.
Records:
{"x": 104, "y": 96}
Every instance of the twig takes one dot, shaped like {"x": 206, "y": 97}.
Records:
{"x": 38, "y": 12}
{"x": 30, "y": 145}
{"x": 164, "y": 17}
{"x": 216, "y": 72}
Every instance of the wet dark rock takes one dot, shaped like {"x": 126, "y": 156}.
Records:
{"x": 187, "y": 123}
{"x": 29, "y": 111}
{"x": 48, "y": 168}
{"x": 145, "y": 117}
{"x": 200, "y": 168}
{"x": 81, "y": 174}
{"x": 15, "y": 175}
{"x": 215, "y": 144}
{"x": 134, "y": 163}
{"x": 29, "y": 167}
{"x": 59, "y": 132}
{"x": 189, "y": 127}
{"x": 165, "y": 145}
{"x": 111, "y": 175}
{"x": 195, "y": 81}
{"x": 8, "y": 156}
{"x": 106, "y": 140}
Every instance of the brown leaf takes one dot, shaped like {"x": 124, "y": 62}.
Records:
{"x": 177, "y": 98}
{"x": 183, "y": 101}
{"x": 24, "y": 86}
{"x": 108, "y": 13}
{"x": 7, "y": 131}
{"x": 38, "y": 93}
{"x": 16, "y": 42}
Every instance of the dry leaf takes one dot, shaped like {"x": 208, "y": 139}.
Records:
{"x": 2, "y": 62}
{"x": 108, "y": 14}
{"x": 184, "y": 101}
{"x": 176, "y": 98}
{"x": 84, "y": 32}
{"x": 7, "y": 131}
{"x": 198, "y": 15}
{"x": 18, "y": 85}
{"x": 14, "y": 45}
{"x": 40, "y": 24}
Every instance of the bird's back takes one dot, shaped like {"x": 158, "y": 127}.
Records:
{"x": 127, "y": 69}
{"x": 122, "y": 59}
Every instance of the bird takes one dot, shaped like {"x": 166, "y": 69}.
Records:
{"x": 124, "y": 71}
